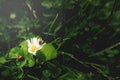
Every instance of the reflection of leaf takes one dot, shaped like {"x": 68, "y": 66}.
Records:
{"x": 112, "y": 53}
{"x": 95, "y": 2}
{"x": 46, "y": 73}
{"x": 20, "y": 75}
{"x": 49, "y": 51}
{"x": 72, "y": 76}
{"x": 5, "y": 73}
{"x": 47, "y": 4}
{"x": 48, "y": 15}
{"x": 57, "y": 28}
{"x": 32, "y": 77}
{"x": 56, "y": 72}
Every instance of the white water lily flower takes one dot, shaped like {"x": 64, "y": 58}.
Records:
{"x": 34, "y": 45}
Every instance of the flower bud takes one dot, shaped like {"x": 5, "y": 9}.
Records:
{"x": 20, "y": 58}
{"x": 40, "y": 41}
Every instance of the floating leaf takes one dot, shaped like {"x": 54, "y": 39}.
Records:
{"x": 49, "y": 51}
{"x": 31, "y": 61}
{"x": 15, "y": 52}
{"x": 21, "y": 63}
{"x": 2, "y": 60}
{"x": 24, "y": 46}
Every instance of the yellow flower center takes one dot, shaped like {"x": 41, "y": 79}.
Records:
{"x": 34, "y": 48}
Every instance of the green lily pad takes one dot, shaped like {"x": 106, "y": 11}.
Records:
{"x": 49, "y": 51}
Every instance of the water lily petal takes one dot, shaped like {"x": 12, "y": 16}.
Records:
{"x": 34, "y": 46}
